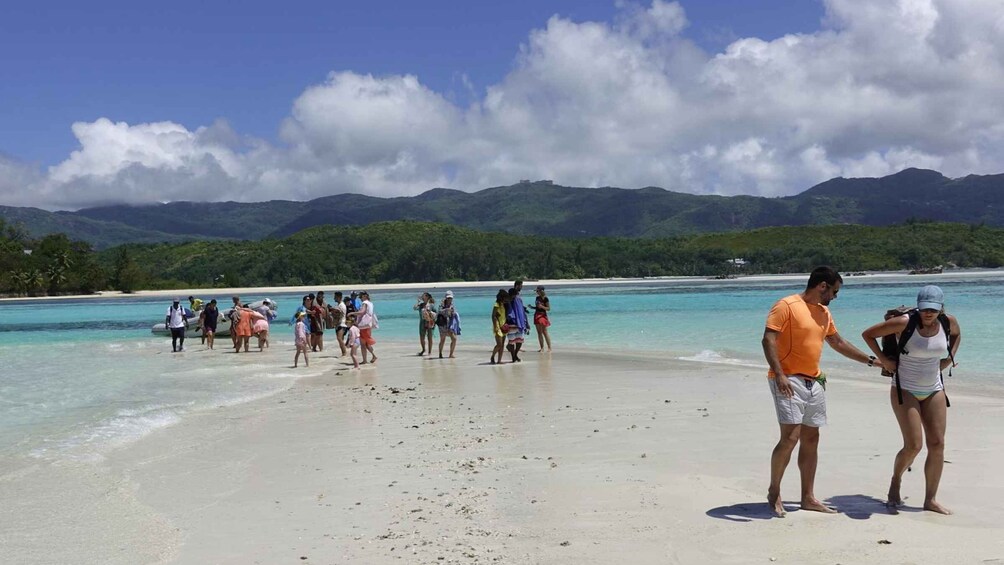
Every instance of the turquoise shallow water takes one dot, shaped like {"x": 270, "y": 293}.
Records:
{"x": 78, "y": 377}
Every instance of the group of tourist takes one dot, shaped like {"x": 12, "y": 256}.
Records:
{"x": 919, "y": 343}
{"x": 510, "y": 323}
{"x": 508, "y": 318}
{"x": 445, "y": 317}
{"x": 245, "y": 322}
{"x": 353, "y": 318}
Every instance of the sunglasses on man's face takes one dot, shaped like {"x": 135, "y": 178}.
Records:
{"x": 929, "y": 311}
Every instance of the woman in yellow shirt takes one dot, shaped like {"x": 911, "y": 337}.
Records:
{"x": 499, "y": 327}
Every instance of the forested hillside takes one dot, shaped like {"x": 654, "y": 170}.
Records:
{"x": 545, "y": 209}
{"x": 392, "y": 252}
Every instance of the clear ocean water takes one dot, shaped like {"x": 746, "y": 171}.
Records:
{"x": 80, "y": 377}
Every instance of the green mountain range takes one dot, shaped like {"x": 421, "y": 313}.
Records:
{"x": 545, "y": 209}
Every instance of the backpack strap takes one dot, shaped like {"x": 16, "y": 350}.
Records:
{"x": 911, "y": 326}
{"x": 946, "y": 325}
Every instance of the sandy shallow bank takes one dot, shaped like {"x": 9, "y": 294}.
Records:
{"x": 430, "y": 286}
{"x": 568, "y": 458}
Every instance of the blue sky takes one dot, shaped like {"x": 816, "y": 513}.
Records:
{"x": 134, "y": 102}
{"x": 194, "y": 62}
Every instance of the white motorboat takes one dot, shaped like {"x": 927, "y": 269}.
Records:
{"x": 267, "y": 307}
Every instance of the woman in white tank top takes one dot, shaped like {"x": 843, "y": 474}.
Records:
{"x": 923, "y": 409}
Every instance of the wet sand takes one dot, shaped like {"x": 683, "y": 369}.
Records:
{"x": 572, "y": 457}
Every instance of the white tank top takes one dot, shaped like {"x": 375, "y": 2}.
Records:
{"x": 920, "y": 368}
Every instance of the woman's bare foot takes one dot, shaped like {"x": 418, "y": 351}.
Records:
{"x": 934, "y": 506}
{"x": 894, "y": 500}
{"x": 814, "y": 505}
{"x": 775, "y": 503}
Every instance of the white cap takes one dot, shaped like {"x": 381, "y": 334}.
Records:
{"x": 449, "y": 294}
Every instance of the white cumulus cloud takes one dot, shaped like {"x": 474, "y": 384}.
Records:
{"x": 879, "y": 87}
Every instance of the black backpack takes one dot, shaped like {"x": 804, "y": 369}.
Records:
{"x": 893, "y": 348}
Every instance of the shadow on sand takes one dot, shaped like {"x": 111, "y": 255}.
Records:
{"x": 861, "y": 507}
{"x": 854, "y": 506}
{"x": 745, "y": 512}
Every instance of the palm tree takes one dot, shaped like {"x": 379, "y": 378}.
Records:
{"x": 63, "y": 260}
{"x": 56, "y": 274}
{"x": 21, "y": 282}
{"x": 36, "y": 280}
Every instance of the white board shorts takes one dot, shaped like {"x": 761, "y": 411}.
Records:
{"x": 807, "y": 406}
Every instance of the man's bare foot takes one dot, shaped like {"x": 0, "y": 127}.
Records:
{"x": 775, "y": 503}
{"x": 814, "y": 505}
{"x": 373, "y": 360}
{"x": 934, "y": 506}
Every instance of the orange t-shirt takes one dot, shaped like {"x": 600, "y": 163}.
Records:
{"x": 802, "y": 328}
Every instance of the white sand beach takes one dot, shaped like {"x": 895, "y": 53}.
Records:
{"x": 444, "y": 285}
{"x": 573, "y": 457}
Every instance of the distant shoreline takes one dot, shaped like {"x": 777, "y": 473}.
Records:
{"x": 184, "y": 293}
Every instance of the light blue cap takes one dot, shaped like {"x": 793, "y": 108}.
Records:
{"x": 930, "y": 298}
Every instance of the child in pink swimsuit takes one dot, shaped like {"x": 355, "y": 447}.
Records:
{"x": 352, "y": 340}
{"x": 300, "y": 338}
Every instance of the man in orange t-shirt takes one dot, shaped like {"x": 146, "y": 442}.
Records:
{"x": 792, "y": 342}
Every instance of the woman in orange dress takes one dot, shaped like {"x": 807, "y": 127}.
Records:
{"x": 243, "y": 329}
